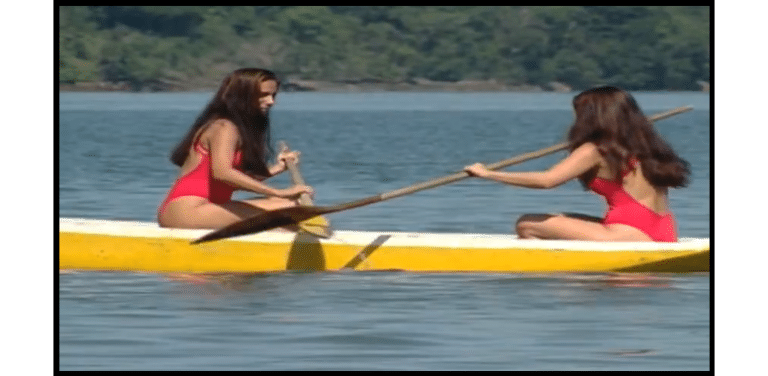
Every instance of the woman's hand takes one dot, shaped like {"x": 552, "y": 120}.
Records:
{"x": 286, "y": 156}
{"x": 477, "y": 169}
{"x": 296, "y": 191}
{"x": 283, "y": 157}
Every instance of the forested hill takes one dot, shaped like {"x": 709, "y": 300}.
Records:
{"x": 187, "y": 47}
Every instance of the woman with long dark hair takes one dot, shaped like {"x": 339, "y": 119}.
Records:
{"x": 615, "y": 152}
{"x": 227, "y": 149}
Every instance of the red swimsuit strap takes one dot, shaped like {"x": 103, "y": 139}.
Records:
{"x": 632, "y": 163}
{"x": 198, "y": 145}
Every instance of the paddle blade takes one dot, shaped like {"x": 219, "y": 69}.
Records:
{"x": 317, "y": 226}
{"x": 263, "y": 222}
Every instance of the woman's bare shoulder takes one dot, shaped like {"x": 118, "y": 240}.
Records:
{"x": 222, "y": 124}
{"x": 221, "y": 129}
{"x": 588, "y": 147}
{"x": 590, "y": 153}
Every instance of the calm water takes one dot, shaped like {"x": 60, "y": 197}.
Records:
{"x": 113, "y": 163}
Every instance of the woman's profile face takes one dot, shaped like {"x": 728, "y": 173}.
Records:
{"x": 268, "y": 92}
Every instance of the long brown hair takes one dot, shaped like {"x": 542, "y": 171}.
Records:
{"x": 611, "y": 118}
{"x": 237, "y": 100}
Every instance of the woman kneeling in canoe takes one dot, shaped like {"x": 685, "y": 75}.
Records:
{"x": 616, "y": 152}
{"x": 227, "y": 149}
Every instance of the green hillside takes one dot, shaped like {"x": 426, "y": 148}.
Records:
{"x": 163, "y": 47}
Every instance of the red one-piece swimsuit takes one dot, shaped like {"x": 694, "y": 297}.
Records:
{"x": 624, "y": 209}
{"x": 200, "y": 182}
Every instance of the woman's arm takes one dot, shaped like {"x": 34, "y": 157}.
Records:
{"x": 581, "y": 160}
{"x": 278, "y": 167}
{"x": 223, "y": 143}
{"x": 283, "y": 156}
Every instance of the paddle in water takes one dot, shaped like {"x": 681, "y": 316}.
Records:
{"x": 293, "y": 215}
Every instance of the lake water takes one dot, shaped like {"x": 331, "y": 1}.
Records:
{"x": 113, "y": 164}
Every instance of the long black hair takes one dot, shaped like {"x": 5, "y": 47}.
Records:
{"x": 237, "y": 100}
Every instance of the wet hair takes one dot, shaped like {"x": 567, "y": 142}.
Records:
{"x": 611, "y": 119}
{"x": 237, "y": 101}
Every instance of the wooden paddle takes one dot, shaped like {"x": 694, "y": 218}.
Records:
{"x": 317, "y": 226}
{"x": 288, "y": 216}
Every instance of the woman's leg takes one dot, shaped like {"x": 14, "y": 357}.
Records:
{"x": 574, "y": 227}
{"x": 198, "y": 213}
{"x": 270, "y": 203}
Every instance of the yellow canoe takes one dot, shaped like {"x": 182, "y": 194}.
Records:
{"x": 92, "y": 244}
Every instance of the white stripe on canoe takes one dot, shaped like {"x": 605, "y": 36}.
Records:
{"x": 363, "y": 238}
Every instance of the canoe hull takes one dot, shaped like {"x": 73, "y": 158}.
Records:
{"x": 137, "y": 246}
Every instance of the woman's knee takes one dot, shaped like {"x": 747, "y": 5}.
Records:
{"x": 527, "y": 224}
{"x": 521, "y": 227}
{"x": 524, "y": 230}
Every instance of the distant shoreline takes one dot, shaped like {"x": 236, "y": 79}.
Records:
{"x": 324, "y": 86}
{"x": 348, "y": 86}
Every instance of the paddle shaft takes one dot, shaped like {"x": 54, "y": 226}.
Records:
{"x": 296, "y": 177}
{"x": 317, "y": 226}
{"x": 296, "y": 214}
{"x": 494, "y": 166}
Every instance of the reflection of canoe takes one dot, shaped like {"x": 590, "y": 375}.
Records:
{"x": 88, "y": 244}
